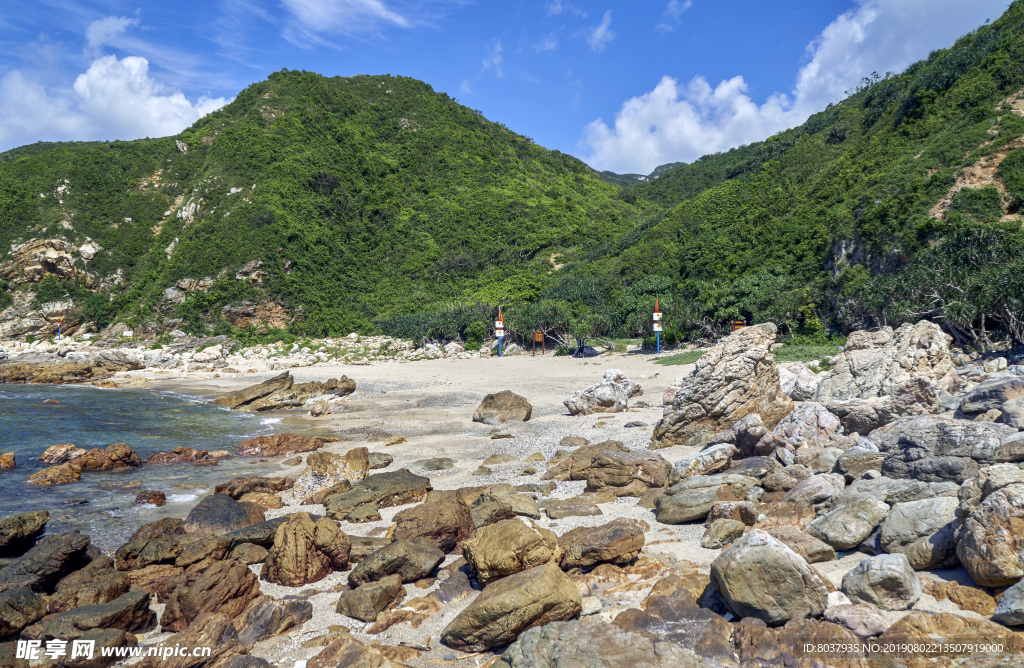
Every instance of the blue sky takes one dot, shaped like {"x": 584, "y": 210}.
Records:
{"x": 625, "y": 86}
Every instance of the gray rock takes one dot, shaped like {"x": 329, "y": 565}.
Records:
{"x": 809, "y": 421}
{"x": 991, "y": 395}
{"x": 818, "y": 460}
{"x": 366, "y": 601}
{"x": 886, "y": 581}
{"x": 1010, "y": 610}
{"x": 412, "y": 559}
{"x": 817, "y": 488}
{"x": 923, "y": 530}
{"x": 720, "y": 533}
{"x": 611, "y": 394}
{"x": 863, "y": 619}
{"x": 892, "y": 490}
{"x": 693, "y": 498}
{"x": 844, "y": 527}
{"x": 503, "y": 407}
{"x": 758, "y": 576}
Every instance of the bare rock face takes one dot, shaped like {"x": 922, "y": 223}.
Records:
{"x": 799, "y": 383}
{"x": 502, "y": 407}
{"x": 305, "y": 551}
{"x": 508, "y": 547}
{"x": 514, "y": 604}
{"x": 809, "y": 421}
{"x": 227, "y": 587}
{"x": 908, "y": 366}
{"x": 735, "y": 378}
{"x": 758, "y": 576}
{"x": 611, "y": 394}
{"x": 49, "y": 560}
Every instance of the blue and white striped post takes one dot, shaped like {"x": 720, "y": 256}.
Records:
{"x": 657, "y": 325}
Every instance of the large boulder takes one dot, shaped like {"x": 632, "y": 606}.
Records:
{"x": 816, "y": 489}
{"x": 1010, "y": 610}
{"x": 712, "y": 459}
{"x": 219, "y": 513}
{"x": 265, "y": 617}
{"x": 617, "y": 542}
{"x": 327, "y": 469}
{"x": 49, "y": 560}
{"x": 893, "y": 490}
{"x": 226, "y": 587}
{"x": 878, "y": 364}
{"x": 19, "y": 607}
{"x": 694, "y": 497}
{"x": 845, "y": 527}
{"x": 674, "y": 617}
{"x": 804, "y": 544}
{"x": 412, "y": 559}
{"x": 885, "y": 580}
{"x": 991, "y": 395}
{"x": 128, "y": 612}
{"x": 758, "y": 576}
{"x": 502, "y": 407}
{"x": 213, "y": 630}
{"x": 380, "y": 490}
{"x": 368, "y": 600}
{"x": 305, "y": 551}
{"x": 611, "y": 394}
{"x": 798, "y": 382}
{"x": 627, "y": 473}
{"x": 282, "y": 392}
{"x": 95, "y": 584}
{"x": 934, "y": 448}
{"x": 512, "y": 605}
{"x": 809, "y": 421}
{"x": 577, "y": 466}
{"x": 924, "y": 530}
{"x": 240, "y": 398}
{"x": 445, "y": 523}
{"x": 508, "y": 547}
{"x": 19, "y": 532}
{"x": 735, "y": 378}
{"x": 992, "y": 535}
{"x": 236, "y": 488}
{"x": 61, "y": 474}
{"x": 588, "y": 643}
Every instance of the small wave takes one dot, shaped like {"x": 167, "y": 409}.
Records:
{"x": 182, "y": 498}
{"x": 271, "y": 420}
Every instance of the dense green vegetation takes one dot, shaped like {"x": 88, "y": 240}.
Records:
{"x": 375, "y": 204}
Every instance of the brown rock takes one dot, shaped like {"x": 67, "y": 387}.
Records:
{"x": 213, "y": 630}
{"x": 305, "y": 551}
{"x": 116, "y": 457}
{"x": 281, "y": 445}
{"x": 128, "y": 612}
{"x": 344, "y": 650}
{"x": 508, "y": 547}
{"x": 677, "y": 619}
{"x": 96, "y": 583}
{"x": 577, "y": 465}
{"x": 380, "y": 490}
{"x": 264, "y": 618}
{"x": 507, "y": 608}
{"x": 249, "y": 554}
{"x": 238, "y": 487}
{"x": 7, "y": 461}
{"x": 943, "y": 626}
{"x": 226, "y": 587}
{"x": 617, "y": 542}
{"x": 627, "y": 473}
{"x": 219, "y": 513}
{"x": 503, "y": 407}
{"x": 720, "y": 533}
{"x": 367, "y": 601}
{"x": 577, "y": 506}
{"x": 18, "y": 532}
{"x": 573, "y": 442}
{"x": 742, "y": 511}
{"x": 60, "y": 474}
{"x": 250, "y": 394}
{"x": 804, "y": 544}
{"x": 263, "y": 500}
{"x": 412, "y": 559}
{"x": 158, "y": 579}
{"x": 445, "y": 523}
{"x": 152, "y": 497}
{"x": 184, "y": 455}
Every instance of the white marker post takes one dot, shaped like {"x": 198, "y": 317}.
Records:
{"x": 499, "y": 329}
{"x": 657, "y": 324}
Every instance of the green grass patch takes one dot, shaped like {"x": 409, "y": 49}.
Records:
{"x": 689, "y": 357}
{"x": 806, "y": 353}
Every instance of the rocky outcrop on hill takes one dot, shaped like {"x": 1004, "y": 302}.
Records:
{"x": 735, "y": 378}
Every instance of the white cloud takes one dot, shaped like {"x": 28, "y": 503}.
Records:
{"x": 101, "y": 32}
{"x": 315, "y": 18}
{"x": 464, "y": 88}
{"x": 557, "y": 8}
{"x": 547, "y": 43}
{"x": 600, "y": 35}
{"x": 673, "y": 14}
{"x": 677, "y": 122}
{"x": 114, "y": 99}
{"x": 494, "y": 59}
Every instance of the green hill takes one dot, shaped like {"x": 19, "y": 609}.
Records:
{"x": 360, "y": 198}
{"x": 376, "y": 204}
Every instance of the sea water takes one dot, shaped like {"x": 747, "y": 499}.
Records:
{"x": 101, "y": 504}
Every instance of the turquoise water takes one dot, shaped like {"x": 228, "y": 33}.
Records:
{"x": 101, "y": 504}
